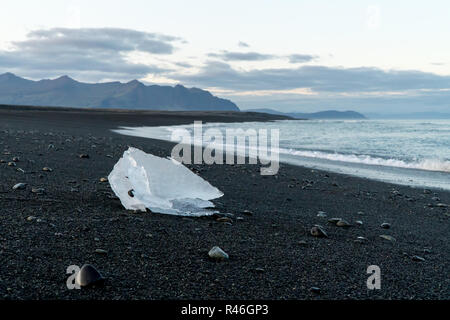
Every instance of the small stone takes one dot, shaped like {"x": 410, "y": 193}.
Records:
{"x": 418, "y": 258}
{"x": 361, "y": 240}
{"x": 360, "y": 213}
{"x": 385, "y": 225}
{"x": 84, "y": 156}
{"x": 88, "y": 276}
{"x": 20, "y": 186}
{"x": 387, "y": 237}
{"x": 343, "y": 223}
{"x": 317, "y": 231}
{"x": 103, "y": 179}
{"x": 303, "y": 243}
{"x": 442, "y": 205}
{"x": 101, "y": 251}
{"x": 321, "y": 214}
{"x": 315, "y": 290}
{"x": 31, "y": 218}
{"x": 38, "y": 190}
{"x": 47, "y": 169}
{"x": 224, "y": 219}
{"x": 358, "y": 222}
{"x": 217, "y": 254}
{"x": 247, "y": 212}
{"x": 259, "y": 270}
{"x": 240, "y": 219}
{"x": 15, "y": 159}
{"x": 334, "y": 220}
{"x": 11, "y": 164}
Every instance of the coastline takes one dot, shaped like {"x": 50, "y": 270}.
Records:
{"x": 155, "y": 256}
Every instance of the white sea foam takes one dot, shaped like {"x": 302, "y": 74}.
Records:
{"x": 425, "y": 164}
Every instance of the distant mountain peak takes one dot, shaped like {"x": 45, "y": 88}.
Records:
{"x": 65, "y": 79}
{"x": 8, "y": 75}
{"x": 67, "y": 92}
{"x": 134, "y": 82}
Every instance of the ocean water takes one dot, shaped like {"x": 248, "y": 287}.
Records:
{"x": 408, "y": 152}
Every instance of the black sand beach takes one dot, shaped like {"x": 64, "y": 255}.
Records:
{"x": 155, "y": 256}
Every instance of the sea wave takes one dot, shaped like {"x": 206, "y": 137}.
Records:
{"x": 425, "y": 164}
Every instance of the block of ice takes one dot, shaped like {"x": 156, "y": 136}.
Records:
{"x": 142, "y": 180}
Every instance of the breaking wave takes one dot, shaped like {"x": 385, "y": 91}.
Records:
{"x": 425, "y": 164}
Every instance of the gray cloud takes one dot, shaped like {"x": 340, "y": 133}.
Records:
{"x": 242, "y": 56}
{"x": 243, "y": 44}
{"x": 183, "y": 64}
{"x": 301, "y": 58}
{"x": 318, "y": 78}
{"x": 89, "y": 54}
{"x": 256, "y": 56}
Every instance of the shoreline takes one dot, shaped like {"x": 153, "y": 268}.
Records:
{"x": 398, "y": 175}
{"x": 156, "y": 256}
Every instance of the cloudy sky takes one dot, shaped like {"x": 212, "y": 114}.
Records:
{"x": 369, "y": 56}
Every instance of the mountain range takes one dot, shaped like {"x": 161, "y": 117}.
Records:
{"x": 67, "y": 92}
{"x": 329, "y": 114}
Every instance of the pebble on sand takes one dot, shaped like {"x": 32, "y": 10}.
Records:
{"x": 20, "y": 186}
{"x": 224, "y": 219}
{"x": 387, "y": 237}
{"x": 101, "y": 251}
{"x": 385, "y": 225}
{"x": 84, "y": 156}
{"x": 38, "y": 190}
{"x": 343, "y": 223}
{"x": 88, "y": 276}
{"x": 418, "y": 258}
{"x": 47, "y": 169}
{"x": 103, "y": 179}
{"x": 361, "y": 240}
{"x": 321, "y": 214}
{"x": 315, "y": 290}
{"x": 317, "y": 231}
{"x": 217, "y": 253}
{"x": 334, "y": 220}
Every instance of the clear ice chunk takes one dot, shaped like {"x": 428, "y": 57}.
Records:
{"x": 163, "y": 185}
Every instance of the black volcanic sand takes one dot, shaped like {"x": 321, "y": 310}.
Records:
{"x": 155, "y": 256}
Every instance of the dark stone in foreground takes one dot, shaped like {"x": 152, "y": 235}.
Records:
{"x": 88, "y": 276}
